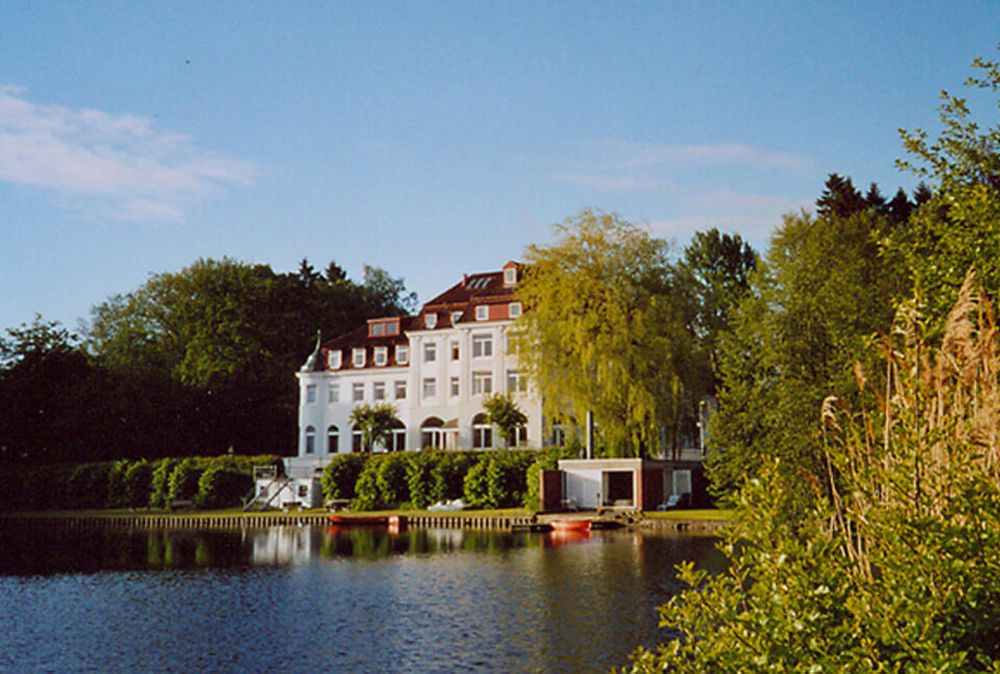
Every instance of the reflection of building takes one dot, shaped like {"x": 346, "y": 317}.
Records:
{"x": 285, "y": 545}
{"x": 435, "y": 368}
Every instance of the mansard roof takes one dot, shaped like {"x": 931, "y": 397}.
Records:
{"x": 493, "y": 289}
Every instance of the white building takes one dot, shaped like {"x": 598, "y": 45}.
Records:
{"x": 435, "y": 368}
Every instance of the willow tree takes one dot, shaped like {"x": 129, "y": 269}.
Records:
{"x": 602, "y": 331}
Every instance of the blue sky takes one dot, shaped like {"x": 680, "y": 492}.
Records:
{"x": 433, "y": 139}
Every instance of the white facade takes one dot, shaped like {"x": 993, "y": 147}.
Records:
{"x": 434, "y": 368}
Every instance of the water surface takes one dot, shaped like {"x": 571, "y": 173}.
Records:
{"x": 312, "y": 599}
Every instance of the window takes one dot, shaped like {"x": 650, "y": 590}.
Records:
{"x": 432, "y": 433}
{"x": 430, "y": 321}
{"x": 454, "y": 387}
{"x": 482, "y": 313}
{"x": 521, "y": 436}
{"x": 378, "y": 390}
{"x": 333, "y": 359}
{"x": 402, "y": 354}
{"x": 377, "y": 329}
{"x": 333, "y": 396}
{"x": 558, "y": 435}
{"x": 455, "y": 351}
{"x": 303, "y": 491}
{"x": 311, "y": 394}
{"x": 356, "y": 445}
{"x": 395, "y": 440}
{"x": 482, "y": 346}
{"x": 515, "y": 382}
{"x": 430, "y": 387}
{"x": 392, "y": 328}
{"x": 359, "y": 358}
{"x": 357, "y": 392}
{"x": 515, "y": 309}
{"x": 482, "y": 382}
{"x": 430, "y": 352}
{"x": 381, "y": 356}
{"x": 510, "y": 276}
{"x": 482, "y": 432}
{"x": 332, "y": 440}
{"x": 456, "y": 316}
{"x": 400, "y": 390}
{"x": 310, "y": 439}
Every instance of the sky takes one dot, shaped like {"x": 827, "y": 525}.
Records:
{"x": 436, "y": 138}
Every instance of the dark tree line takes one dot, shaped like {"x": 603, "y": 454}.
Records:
{"x": 192, "y": 362}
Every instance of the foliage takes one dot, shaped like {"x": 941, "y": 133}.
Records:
{"x": 899, "y": 568}
{"x": 958, "y": 228}
{"x": 478, "y": 484}
{"x": 382, "y": 483}
{"x": 183, "y": 481}
{"x": 116, "y": 483}
{"x": 822, "y": 291}
{"x": 448, "y": 475}
{"x": 341, "y": 474}
{"x": 497, "y": 479}
{"x": 88, "y": 485}
{"x": 136, "y": 484}
{"x": 503, "y": 412}
{"x": 546, "y": 460}
{"x": 602, "y": 331}
{"x": 222, "y": 487}
{"x": 375, "y": 423}
{"x": 159, "y": 488}
{"x": 419, "y": 478}
{"x": 714, "y": 275}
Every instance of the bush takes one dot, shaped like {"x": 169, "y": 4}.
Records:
{"x": 545, "y": 460}
{"x": 419, "y": 477}
{"x": 116, "y": 483}
{"x": 222, "y": 487}
{"x": 159, "y": 488}
{"x": 366, "y": 488}
{"x": 183, "y": 481}
{"x": 341, "y": 474}
{"x": 136, "y": 484}
{"x": 88, "y": 485}
{"x": 448, "y": 474}
{"x": 480, "y": 484}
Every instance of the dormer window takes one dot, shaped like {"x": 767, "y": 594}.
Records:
{"x": 377, "y": 329}
{"x": 392, "y": 327}
{"x": 333, "y": 359}
{"x": 402, "y": 354}
{"x": 515, "y": 309}
{"x": 482, "y": 312}
{"x": 430, "y": 321}
{"x": 359, "y": 358}
{"x": 456, "y": 316}
{"x": 510, "y": 276}
{"x": 381, "y": 356}
{"x": 383, "y": 327}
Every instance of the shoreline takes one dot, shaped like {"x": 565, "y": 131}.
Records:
{"x": 236, "y": 519}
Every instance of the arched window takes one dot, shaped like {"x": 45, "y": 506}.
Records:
{"x": 432, "y": 433}
{"x": 521, "y": 436}
{"x": 396, "y": 442}
{"x": 310, "y": 439}
{"x": 356, "y": 445}
{"x": 332, "y": 440}
{"x": 482, "y": 432}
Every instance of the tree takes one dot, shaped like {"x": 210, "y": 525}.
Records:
{"x": 957, "y": 226}
{"x": 375, "y": 423}
{"x": 823, "y": 289}
{"x": 895, "y": 564}
{"x": 503, "y": 412}
{"x": 715, "y": 275}
{"x": 603, "y": 331}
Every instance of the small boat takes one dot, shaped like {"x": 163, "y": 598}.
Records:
{"x": 570, "y": 525}
{"x": 358, "y": 520}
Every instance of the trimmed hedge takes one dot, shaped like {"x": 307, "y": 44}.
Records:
{"x": 128, "y": 483}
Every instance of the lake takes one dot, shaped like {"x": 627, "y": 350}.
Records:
{"x": 319, "y": 599}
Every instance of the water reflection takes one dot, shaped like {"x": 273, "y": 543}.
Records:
{"x": 333, "y": 599}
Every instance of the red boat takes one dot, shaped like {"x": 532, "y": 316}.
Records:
{"x": 570, "y": 525}
{"x": 358, "y": 520}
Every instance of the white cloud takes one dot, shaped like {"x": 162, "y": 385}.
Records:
{"x": 753, "y": 216}
{"x": 730, "y": 154}
{"x": 116, "y": 164}
{"x": 607, "y": 183}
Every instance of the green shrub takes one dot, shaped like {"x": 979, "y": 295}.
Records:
{"x": 448, "y": 474}
{"x": 183, "y": 481}
{"x": 419, "y": 478}
{"x": 545, "y": 460}
{"x": 222, "y": 487}
{"x": 341, "y": 474}
{"x": 88, "y": 485}
{"x": 159, "y": 486}
{"x": 382, "y": 483}
{"x": 116, "y": 483}
{"x": 480, "y": 484}
{"x": 366, "y": 488}
{"x": 136, "y": 483}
